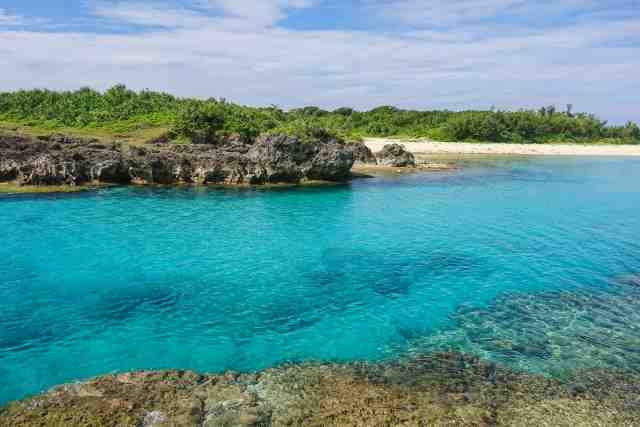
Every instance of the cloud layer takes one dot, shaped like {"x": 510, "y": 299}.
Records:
{"x": 417, "y": 54}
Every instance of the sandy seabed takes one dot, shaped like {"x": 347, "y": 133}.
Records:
{"x": 432, "y": 147}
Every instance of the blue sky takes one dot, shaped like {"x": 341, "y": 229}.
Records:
{"x": 411, "y": 53}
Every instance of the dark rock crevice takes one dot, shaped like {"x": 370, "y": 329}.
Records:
{"x": 363, "y": 154}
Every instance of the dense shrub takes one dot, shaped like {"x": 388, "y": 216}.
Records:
{"x": 307, "y": 132}
{"x": 120, "y": 109}
{"x": 87, "y": 108}
{"x": 202, "y": 122}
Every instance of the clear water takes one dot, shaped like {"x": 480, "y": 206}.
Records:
{"x": 478, "y": 259}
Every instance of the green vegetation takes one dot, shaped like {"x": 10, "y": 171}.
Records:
{"x": 213, "y": 120}
{"x": 120, "y": 112}
{"x": 118, "y": 108}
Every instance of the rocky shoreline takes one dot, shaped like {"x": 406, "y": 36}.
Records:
{"x": 440, "y": 389}
{"x": 60, "y": 160}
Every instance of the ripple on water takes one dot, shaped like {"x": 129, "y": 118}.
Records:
{"x": 121, "y": 304}
{"x": 24, "y": 330}
{"x": 392, "y": 275}
{"x": 495, "y": 259}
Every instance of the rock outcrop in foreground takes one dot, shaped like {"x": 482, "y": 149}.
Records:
{"x": 446, "y": 389}
{"x": 60, "y": 160}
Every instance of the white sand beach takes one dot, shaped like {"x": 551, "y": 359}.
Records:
{"x": 432, "y": 147}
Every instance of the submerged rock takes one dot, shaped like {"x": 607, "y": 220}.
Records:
{"x": 60, "y": 160}
{"x": 122, "y": 304}
{"x": 396, "y": 155}
{"x": 551, "y": 332}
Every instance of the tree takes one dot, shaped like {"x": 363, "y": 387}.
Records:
{"x": 631, "y": 131}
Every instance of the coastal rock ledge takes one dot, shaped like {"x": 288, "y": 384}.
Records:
{"x": 273, "y": 159}
{"x": 447, "y": 389}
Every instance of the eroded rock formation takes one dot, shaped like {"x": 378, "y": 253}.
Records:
{"x": 362, "y": 154}
{"x": 60, "y": 160}
{"x": 395, "y": 155}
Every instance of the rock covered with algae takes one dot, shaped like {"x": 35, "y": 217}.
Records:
{"x": 445, "y": 389}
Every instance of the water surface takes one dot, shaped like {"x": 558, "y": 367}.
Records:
{"x": 531, "y": 262}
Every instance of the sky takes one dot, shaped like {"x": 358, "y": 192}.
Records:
{"x": 422, "y": 54}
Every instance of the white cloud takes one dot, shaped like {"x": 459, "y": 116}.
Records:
{"x": 444, "y": 12}
{"x": 258, "y": 12}
{"x": 237, "y": 14}
{"x": 590, "y": 64}
{"x": 160, "y": 15}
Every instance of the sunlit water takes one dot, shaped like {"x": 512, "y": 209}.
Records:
{"x": 528, "y": 262}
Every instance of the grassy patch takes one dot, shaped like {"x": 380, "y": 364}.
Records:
{"x": 139, "y": 136}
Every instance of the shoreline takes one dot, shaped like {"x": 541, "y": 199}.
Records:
{"x": 10, "y": 188}
{"x": 443, "y": 388}
{"x": 13, "y": 189}
{"x": 66, "y": 163}
{"x": 421, "y": 147}
{"x": 360, "y": 170}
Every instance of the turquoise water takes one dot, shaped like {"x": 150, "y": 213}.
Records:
{"x": 529, "y": 262}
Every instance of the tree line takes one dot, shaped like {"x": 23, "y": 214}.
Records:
{"x": 121, "y": 110}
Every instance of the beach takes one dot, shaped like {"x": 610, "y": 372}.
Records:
{"x": 432, "y": 147}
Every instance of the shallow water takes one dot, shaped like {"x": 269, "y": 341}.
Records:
{"x": 530, "y": 262}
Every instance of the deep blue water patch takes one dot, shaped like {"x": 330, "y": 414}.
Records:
{"x": 531, "y": 262}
